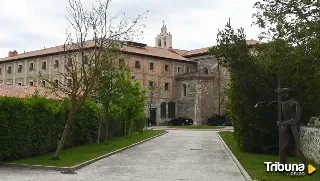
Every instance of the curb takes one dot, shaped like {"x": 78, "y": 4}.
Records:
{"x": 219, "y": 129}
{"x": 81, "y": 165}
{"x": 242, "y": 170}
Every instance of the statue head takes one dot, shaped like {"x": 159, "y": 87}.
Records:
{"x": 286, "y": 93}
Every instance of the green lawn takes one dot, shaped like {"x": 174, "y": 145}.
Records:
{"x": 198, "y": 127}
{"x": 76, "y": 155}
{"x": 253, "y": 163}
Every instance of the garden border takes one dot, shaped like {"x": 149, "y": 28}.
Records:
{"x": 234, "y": 158}
{"x": 81, "y": 165}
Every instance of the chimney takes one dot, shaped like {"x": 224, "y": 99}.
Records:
{"x": 13, "y": 53}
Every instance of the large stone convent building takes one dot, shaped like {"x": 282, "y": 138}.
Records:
{"x": 188, "y": 82}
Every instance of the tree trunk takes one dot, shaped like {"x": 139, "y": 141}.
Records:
{"x": 107, "y": 132}
{"x": 106, "y": 135}
{"x": 125, "y": 128}
{"x": 64, "y": 134}
{"x": 99, "y": 131}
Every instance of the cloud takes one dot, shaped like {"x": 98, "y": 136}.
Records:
{"x": 32, "y": 24}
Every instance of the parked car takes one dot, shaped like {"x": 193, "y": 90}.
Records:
{"x": 180, "y": 121}
{"x": 218, "y": 120}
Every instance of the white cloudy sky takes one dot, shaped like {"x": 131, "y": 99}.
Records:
{"x": 27, "y": 25}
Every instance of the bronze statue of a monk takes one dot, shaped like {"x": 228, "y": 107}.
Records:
{"x": 288, "y": 129}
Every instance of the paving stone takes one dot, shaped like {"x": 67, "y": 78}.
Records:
{"x": 178, "y": 155}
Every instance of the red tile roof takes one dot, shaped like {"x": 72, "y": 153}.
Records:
{"x": 177, "y": 51}
{"x": 158, "y": 52}
{"x": 205, "y": 50}
{"x": 151, "y": 51}
{"x": 147, "y": 50}
{"x": 197, "y": 51}
{"x": 25, "y": 91}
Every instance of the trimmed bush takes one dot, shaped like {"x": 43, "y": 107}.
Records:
{"x": 253, "y": 78}
{"x": 33, "y": 126}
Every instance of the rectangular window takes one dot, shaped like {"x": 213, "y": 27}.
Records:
{"x": 44, "y": 65}
{"x": 9, "y": 70}
{"x": 178, "y": 70}
{"x": 166, "y": 86}
{"x": 56, "y": 83}
{"x": 19, "y": 84}
{"x": 69, "y": 82}
{"x": 56, "y": 63}
{"x": 150, "y": 84}
{"x": 69, "y": 62}
{"x": 85, "y": 59}
{"x": 133, "y": 77}
{"x": 187, "y": 69}
{"x": 151, "y": 66}
{"x": 137, "y": 65}
{"x": 166, "y": 68}
{"x": 31, "y": 83}
{"x": 43, "y": 83}
{"x": 0, "y": 71}
{"x": 20, "y": 68}
{"x": 31, "y": 66}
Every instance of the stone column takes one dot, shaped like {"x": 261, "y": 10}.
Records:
{"x": 50, "y": 59}
{"x": 4, "y": 74}
{"x": 167, "y": 110}
{"x": 196, "y": 106}
{"x": 36, "y": 72}
{"x": 26, "y": 67}
{"x": 14, "y": 73}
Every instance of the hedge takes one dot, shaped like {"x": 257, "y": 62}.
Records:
{"x": 33, "y": 126}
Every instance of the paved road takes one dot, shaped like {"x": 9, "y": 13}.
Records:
{"x": 178, "y": 155}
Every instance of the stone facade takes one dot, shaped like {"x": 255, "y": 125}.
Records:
{"x": 191, "y": 82}
{"x": 203, "y": 86}
{"x": 310, "y": 142}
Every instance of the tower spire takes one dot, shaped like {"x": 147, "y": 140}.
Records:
{"x": 164, "y": 39}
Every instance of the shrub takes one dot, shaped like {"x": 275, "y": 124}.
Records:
{"x": 253, "y": 78}
{"x": 33, "y": 126}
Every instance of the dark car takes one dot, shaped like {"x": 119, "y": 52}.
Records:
{"x": 178, "y": 121}
{"x": 218, "y": 120}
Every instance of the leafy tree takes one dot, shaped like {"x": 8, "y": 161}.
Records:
{"x": 293, "y": 26}
{"x": 132, "y": 101}
{"x": 123, "y": 100}
{"x": 92, "y": 36}
{"x": 290, "y": 55}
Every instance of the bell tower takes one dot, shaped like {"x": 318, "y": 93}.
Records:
{"x": 164, "y": 39}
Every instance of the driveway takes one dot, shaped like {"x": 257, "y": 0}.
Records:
{"x": 177, "y": 155}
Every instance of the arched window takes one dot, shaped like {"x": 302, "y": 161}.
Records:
{"x": 164, "y": 42}
{"x": 184, "y": 90}
{"x": 171, "y": 109}
{"x": 159, "y": 42}
{"x": 205, "y": 70}
{"x": 163, "y": 110}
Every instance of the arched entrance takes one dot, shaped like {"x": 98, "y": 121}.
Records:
{"x": 171, "y": 109}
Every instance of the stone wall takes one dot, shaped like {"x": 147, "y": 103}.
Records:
{"x": 202, "y": 100}
{"x": 208, "y": 97}
{"x": 310, "y": 142}
{"x": 186, "y": 104}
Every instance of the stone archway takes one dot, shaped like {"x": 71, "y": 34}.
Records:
{"x": 163, "y": 110}
{"x": 205, "y": 70}
{"x": 171, "y": 109}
